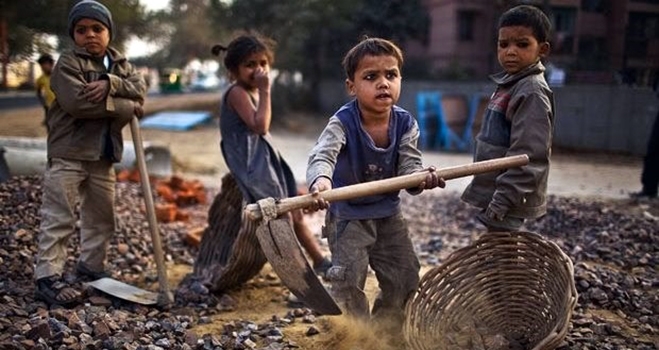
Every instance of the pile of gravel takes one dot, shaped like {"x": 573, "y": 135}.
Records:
{"x": 614, "y": 249}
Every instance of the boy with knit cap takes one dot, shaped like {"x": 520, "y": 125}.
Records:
{"x": 97, "y": 92}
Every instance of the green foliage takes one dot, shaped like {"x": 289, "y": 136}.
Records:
{"x": 28, "y": 20}
{"x": 187, "y": 31}
{"x": 313, "y": 35}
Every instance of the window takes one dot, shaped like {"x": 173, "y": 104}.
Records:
{"x": 642, "y": 28}
{"x": 466, "y": 21}
{"x": 564, "y": 19}
{"x": 598, "y": 6}
{"x": 593, "y": 52}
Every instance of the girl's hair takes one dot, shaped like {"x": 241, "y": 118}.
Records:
{"x": 528, "y": 16}
{"x": 370, "y": 47}
{"x": 241, "y": 47}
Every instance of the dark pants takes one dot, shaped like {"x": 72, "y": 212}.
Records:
{"x": 45, "y": 117}
{"x": 650, "y": 176}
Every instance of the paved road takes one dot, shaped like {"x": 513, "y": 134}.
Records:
{"x": 24, "y": 99}
{"x": 11, "y": 100}
{"x": 583, "y": 175}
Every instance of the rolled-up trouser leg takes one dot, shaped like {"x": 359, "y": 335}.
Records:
{"x": 507, "y": 224}
{"x": 349, "y": 242}
{"x": 60, "y": 194}
{"x": 97, "y": 214}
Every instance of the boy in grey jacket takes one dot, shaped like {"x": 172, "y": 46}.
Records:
{"x": 519, "y": 120}
{"x": 97, "y": 93}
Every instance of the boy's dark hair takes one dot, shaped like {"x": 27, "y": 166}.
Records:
{"x": 370, "y": 47}
{"x": 528, "y": 16}
{"x": 45, "y": 58}
{"x": 243, "y": 46}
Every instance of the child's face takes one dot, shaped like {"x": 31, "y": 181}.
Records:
{"x": 518, "y": 48}
{"x": 46, "y": 68}
{"x": 376, "y": 84}
{"x": 92, "y": 35}
{"x": 256, "y": 62}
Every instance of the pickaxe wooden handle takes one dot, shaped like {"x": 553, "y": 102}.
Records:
{"x": 165, "y": 296}
{"x": 398, "y": 183}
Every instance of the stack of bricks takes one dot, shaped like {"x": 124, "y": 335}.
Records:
{"x": 173, "y": 194}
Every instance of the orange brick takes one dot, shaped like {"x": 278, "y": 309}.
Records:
{"x": 184, "y": 198}
{"x": 166, "y": 212}
{"x": 182, "y": 215}
{"x": 165, "y": 192}
{"x": 175, "y": 182}
{"x": 193, "y": 236}
{"x": 123, "y": 175}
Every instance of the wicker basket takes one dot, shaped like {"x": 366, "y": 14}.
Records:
{"x": 504, "y": 291}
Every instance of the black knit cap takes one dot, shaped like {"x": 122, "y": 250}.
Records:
{"x": 90, "y": 9}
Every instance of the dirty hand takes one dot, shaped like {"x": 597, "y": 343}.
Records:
{"x": 96, "y": 91}
{"x": 320, "y": 185}
{"x": 432, "y": 180}
{"x": 261, "y": 79}
{"x": 138, "y": 110}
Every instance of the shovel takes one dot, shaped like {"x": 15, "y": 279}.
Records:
{"x": 284, "y": 252}
{"x": 120, "y": 289}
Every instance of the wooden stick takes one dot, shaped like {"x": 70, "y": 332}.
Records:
{"x": 165, "y": 297}
{"x": 398, "y": 183}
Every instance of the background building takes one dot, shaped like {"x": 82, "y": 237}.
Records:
{"x": 595, "y": 41}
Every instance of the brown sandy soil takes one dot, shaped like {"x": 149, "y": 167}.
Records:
{"x": 263, "y": 297}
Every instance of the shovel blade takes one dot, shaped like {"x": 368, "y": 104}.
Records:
{"x": 124, "y": 291}
{"x": 285, "y": 255}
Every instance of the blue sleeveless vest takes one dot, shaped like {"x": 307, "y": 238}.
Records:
{"x": 361, "y": 161}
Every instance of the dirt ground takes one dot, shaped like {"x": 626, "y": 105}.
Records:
{"x": 196, "y": 154}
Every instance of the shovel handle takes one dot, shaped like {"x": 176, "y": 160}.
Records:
{"x": 165, "y": 296}
{"x": 398, "y": 183}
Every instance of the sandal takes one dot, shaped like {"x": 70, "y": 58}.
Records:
{"x": 53, "y": 290}
{"x": 86, "y": 274}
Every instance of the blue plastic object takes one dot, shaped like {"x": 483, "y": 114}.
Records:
{"x": 435, "y": 132}
{"x": 175, "y": 120}
{"x": 429, "y": 117}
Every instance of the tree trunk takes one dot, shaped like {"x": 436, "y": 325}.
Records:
{"x": 229, "y": 252}
{"x": 4, "y": 51}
